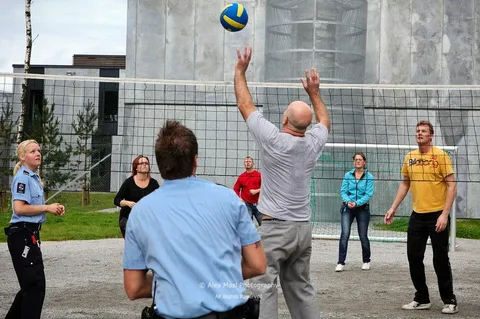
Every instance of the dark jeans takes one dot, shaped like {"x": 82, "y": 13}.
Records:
{"x": 420, "y": 227}
{"x": 362, "y": 214}
{"x": 253, "y": 211}
{"x": 28, "y": 266}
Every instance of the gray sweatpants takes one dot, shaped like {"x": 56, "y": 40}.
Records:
{"x": 288, "y": 246}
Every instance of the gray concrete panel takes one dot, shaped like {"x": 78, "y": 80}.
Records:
{"x": 395, "y": 41}
{"x": 427, "y": 19}
{"x": 476, "y": 52}
{"x": 458, "y": 43}
{"x": 131, "y": 47}
{"x": 150, "y": 38}
{"x": 179, "y": 43}
{"x": 208, "y": 41}
{"x": 372, "y": 50}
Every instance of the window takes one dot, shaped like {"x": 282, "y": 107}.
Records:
{"x": 110, "y": 110}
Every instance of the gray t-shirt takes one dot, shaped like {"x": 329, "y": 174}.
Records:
{"x": 288, "y": 162}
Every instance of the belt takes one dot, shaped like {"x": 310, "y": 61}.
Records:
{"x": 14, "y": 227}
{"x": 283, "y": 220}
{"x": 273, "y": 219}
{"x": 236, "y": 313}
{"x": 30, "y": 226}
{"x": 34, "y": 227}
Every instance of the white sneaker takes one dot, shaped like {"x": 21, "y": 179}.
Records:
{"x": 339, "y": 267}
{"x": 450, "y": 309}
{"x": 366, "y": 266}
{"x": 417, "y": 306}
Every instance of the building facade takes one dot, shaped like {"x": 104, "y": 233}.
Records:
{"x": 69, "y": 98}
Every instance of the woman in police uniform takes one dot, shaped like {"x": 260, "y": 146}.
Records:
{"x": 23, "y": 234}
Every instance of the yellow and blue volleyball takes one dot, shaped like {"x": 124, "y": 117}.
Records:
{"x": 234, "y": 17}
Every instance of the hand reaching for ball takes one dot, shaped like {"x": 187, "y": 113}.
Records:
{"x": 243, "y": 59}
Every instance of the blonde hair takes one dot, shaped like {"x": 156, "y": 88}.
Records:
{"x": 21, "y": 150}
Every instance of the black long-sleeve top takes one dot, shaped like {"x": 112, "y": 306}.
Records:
{"x": 131, "y": 192}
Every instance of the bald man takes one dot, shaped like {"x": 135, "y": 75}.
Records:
{"x": 289, "y": 156}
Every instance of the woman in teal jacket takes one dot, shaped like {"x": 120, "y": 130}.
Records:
{"x": 357, "y": 189}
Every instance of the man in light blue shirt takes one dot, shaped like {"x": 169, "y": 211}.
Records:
{"x": 194, "y": 235}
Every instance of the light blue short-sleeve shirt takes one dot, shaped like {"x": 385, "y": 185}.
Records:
{"x": 26, "y": 187}
{"x": 287, "y": 165}
{"x": 190, "y": 232}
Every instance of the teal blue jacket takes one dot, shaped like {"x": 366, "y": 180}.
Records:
{"x": 359, "y": 191}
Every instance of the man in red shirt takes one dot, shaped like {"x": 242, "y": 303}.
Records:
{"x": 247, "y": 188}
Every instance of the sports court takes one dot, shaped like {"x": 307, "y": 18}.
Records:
{"x": 84, "y": 280}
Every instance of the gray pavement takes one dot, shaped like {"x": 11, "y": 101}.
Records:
{"x": 84, "y": 280}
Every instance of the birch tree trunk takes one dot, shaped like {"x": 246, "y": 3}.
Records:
{"x": 28, "y": 54}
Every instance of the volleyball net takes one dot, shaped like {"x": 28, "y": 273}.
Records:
{"x": 377, "y": 120}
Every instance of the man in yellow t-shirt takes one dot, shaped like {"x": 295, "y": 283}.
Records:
{"x": 428, "y": 174}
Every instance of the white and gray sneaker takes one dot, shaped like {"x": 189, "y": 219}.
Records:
{"x": 339, "y": 267}
{"x": 417, "y": 306}
{"x": 366, "y": 266}
{"x": 450, "y": 309}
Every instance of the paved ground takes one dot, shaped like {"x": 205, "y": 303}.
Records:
{"x": 84, "y": 280}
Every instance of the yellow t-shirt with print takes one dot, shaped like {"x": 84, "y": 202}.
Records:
{"x": 427, "y": 172}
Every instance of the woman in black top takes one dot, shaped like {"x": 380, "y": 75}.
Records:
{"x": 134, "y": 188}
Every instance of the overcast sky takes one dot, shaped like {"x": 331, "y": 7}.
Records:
{"x": 64, "y": 28}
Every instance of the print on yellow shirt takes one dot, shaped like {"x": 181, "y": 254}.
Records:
{"x": 427, "y": 172}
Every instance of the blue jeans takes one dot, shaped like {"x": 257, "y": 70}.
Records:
{"x": 362, "y": 214}
{"x": 253, "y": 211}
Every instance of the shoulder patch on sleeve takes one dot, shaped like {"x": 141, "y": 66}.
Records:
{"x": 26, "y": 173}
{"x": 21, "y": 188}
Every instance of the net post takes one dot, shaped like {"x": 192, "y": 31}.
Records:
{"x": 453, "y": 217}
{"x": 453, "y": 228}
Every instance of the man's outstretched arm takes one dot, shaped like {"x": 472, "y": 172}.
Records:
{"x": 242, "y": 94}
{"x": 311, "y": 84}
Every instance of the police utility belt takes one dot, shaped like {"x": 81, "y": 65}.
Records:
{"x": 249, "y": 310}
{"x": 15, "y": 227}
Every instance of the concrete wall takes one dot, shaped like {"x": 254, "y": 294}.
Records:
{"x": 184, "y": 40}
{"x": 423, "y": 42}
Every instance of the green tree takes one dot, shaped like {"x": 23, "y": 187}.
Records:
{"x": 7, "y": 138}
{"x": 55, "y": 152}
{"x": 85, "y": 128}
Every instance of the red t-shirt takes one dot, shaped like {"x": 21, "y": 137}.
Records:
{"x": 246, "y": 182}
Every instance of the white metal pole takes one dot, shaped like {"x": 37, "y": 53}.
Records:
{"x": 453, "y": 228}
{"x": 453, "y": 217}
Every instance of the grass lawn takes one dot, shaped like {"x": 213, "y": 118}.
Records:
{"x": 466, "y": 228}
{"x": 86, "y": 223}
{"x": 78, "y": 222}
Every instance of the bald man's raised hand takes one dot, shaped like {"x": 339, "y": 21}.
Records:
{"x": 311, "y": 83}
{"x": 243, "y": 59}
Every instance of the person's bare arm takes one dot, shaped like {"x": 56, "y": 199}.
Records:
{"x": 137, "y": 283}
{"x": 254, "y": 262}
{"x": 311, "y": 84}
{"x": 401, "y": 193}
{"x": 22, "y": 208}
{"x": 125, "y": 203}
{"x": 254, "y": 191}
{"x": 242, "y": 93}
